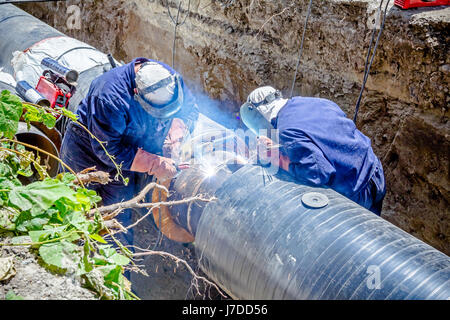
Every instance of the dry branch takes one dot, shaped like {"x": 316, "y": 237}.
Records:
{"x": 135, "y": 202}
{"x": 178, "y": 260}
{"x": 168, "y": 203}
{"x": 130, "y": 203}
{"x": 89, "y": 175}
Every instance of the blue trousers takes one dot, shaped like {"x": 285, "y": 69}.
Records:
{"x": 371, "y": 197}
{"x": 76, "y": 152}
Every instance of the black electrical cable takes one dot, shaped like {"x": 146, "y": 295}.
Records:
{"x": 29, "y": 1}
{"x": 177, "y": 24}
{"x": 301, "y": 47}
{"x": 367, "y": 67}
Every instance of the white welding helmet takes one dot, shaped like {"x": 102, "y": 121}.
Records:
{"x": 261, "y": 107}
{"x": 159, "y": 92}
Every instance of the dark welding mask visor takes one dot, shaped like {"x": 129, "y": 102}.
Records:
{"x": 166, "y": 110}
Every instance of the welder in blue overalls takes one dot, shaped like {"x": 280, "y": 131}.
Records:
{"x": 142, "y": 111}
{"x": 318, "y": 145}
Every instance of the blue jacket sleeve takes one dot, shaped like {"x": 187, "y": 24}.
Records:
{"x": 308, "y": 163}
{"x": 108, "y": 123}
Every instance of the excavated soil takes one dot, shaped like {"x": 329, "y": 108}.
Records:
{"x": 28, "y": 280}
{"x": 166, "y": 278}
{"x": 227, "y": 48}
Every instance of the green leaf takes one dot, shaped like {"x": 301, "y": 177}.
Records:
{"x": 11, "y": 109}
{"x": 86, "y": 265}
{"x": 63, "y": 255}
{"x": 114, "y": 274}
{"x": 98, "y": 238}
{"x": 26, "y": 172}
{"x": 67, "y": 178}
{"x": 26, "y": 222}
{"x": 39, "y": 115}
{"x": 112, "y": 256}
{"x": 36, "y": 223}
{"x": 65, "y": 207}
{"x": 77, "y": 220}
{"x": 20, "y": 240}
{"x": 120, "y": 259}
{"x": 47, "y": 234}
{"x": 49, "y": 120}
{"x": 12, "y": 296}
{"x": 72, "y": 116}
{"x": 39, "y": 196}
{"x": 21, "y": 219}
{"x": 87, "y": 198}
{"x": 6, "y": 220}
{"x": 32, "y": 114}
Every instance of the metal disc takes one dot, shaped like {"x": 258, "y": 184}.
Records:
{"x": 315, "y": 200}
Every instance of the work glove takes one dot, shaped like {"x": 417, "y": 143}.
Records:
{"x": 284, "y": 162}
{"x": 269, "y": 153}
{"x": 172, "y": 144}
{"x": 265, "y": 146}
{"x": 161, "y": 167}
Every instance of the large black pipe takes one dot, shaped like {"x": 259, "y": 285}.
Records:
{"x": 259, "y": 240}
{"x": 38, "y": 135}
{"x": 19, "y": 31}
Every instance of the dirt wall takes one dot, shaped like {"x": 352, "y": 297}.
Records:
{"x": 227, "y": 48}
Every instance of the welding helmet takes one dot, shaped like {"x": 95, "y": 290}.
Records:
{"x": 158, "y": 91}
{"x": 261, "y": 108}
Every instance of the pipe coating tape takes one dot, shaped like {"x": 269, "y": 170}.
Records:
{"x": 315, "y": 200}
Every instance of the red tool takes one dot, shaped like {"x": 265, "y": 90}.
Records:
{"x": 406, "y": 4}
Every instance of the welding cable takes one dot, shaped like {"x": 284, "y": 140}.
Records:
{"x": 301, "y": 47}
{"x": 176, "y": 25}
{"x": 372, "y": 39}
{"x": 367, "y": 67}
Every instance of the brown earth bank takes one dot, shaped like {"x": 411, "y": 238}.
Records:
{"x": 227, "y": 48}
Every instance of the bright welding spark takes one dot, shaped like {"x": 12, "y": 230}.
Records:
{"x": 209, "y": 171}
{"x": 207, "y": 168}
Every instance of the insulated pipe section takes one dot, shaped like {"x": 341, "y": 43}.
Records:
{"x": 30, "y": 94}
{"x": 260, "y": 241}
{"x": 204, "y": 178}
{"x": 30, "y": 32}
{"x": 69, "y": 75}
{"x": 7, "y": 86}
{"x": 33, "y": 136}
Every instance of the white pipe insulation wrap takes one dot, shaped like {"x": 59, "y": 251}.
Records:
{"x": 68, "y": 52}
{"x": 7, "y": 78}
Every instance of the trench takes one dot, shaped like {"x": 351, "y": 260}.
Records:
{"x": 226, "y": 49}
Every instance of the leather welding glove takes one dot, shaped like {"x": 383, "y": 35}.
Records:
{"x": 284, "y": 162}
{"x": 161, "y": 167}
{"x": 172, "y": 144}
{"x": 265, "y": 153}
{"x": 270, "y": 154}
